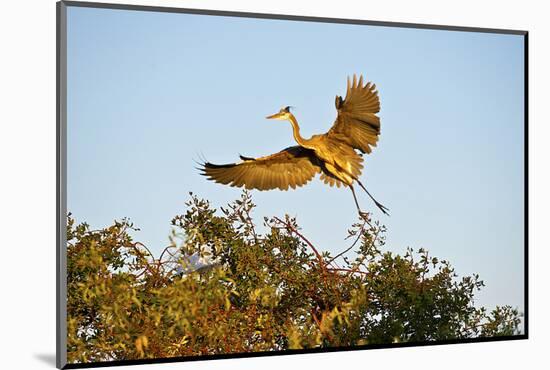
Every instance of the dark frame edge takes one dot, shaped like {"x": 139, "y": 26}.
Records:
{"x": 288, "y": 17}
{"x": 526, "y": 183}
{"x": 61, "y": 185}
{"x": 290, "y": 352}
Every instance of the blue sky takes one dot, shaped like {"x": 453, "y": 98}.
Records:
{"x": 148, "y": 92}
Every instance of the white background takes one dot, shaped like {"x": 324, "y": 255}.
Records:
{"x": 27, "y": 185}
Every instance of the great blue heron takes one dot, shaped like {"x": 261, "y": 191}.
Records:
{"x": 333, "y": 154}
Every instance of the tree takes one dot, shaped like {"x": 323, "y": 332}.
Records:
{"x": 262, "y": 292}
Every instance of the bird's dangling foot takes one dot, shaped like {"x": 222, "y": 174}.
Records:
{"x": 382, "y": 208}
{"x": 378, "y": 204}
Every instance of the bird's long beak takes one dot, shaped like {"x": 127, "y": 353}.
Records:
{"x": 275, "y": 116}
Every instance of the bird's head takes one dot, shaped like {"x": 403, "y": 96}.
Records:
{"x": 283, "y": 114}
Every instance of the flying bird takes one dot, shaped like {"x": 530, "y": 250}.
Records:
{"x": 336, "y": 155}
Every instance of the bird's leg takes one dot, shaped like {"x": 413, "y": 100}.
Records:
{"x": 363, "y": 215}
{"x": 382, "y": 208}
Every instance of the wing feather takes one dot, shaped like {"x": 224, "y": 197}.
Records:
{"x": 357, "y": 123}
{"x": 291, "y": 167}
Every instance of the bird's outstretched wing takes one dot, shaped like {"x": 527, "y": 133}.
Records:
{"x": 357, "y": 123}
{"x": 291, "y": 167}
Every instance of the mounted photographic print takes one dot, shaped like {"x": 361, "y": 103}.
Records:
{"x": 235, "y": 184}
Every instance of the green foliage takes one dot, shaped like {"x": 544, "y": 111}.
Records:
{"x": 267, "y": 292}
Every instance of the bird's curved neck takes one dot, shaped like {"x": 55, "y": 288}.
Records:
{"x": 296, "y": 130}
